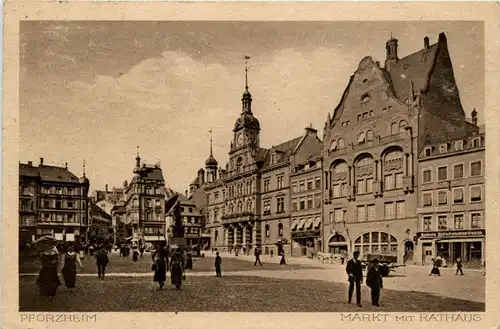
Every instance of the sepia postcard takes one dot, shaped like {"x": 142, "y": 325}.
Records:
{"x": 250, "y": 165}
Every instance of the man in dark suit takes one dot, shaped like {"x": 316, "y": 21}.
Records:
{"x": 355, "y": 272}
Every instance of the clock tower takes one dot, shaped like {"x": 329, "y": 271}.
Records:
{"x": 246, "y": 132}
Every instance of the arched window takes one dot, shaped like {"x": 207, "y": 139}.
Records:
{"x": 337, "y": 244}
{"x": 402, "y": 126}
{"x": 239, "y": 165}
{"x": 249, "y": 205}
{"x": 280, "y": 229}
{"x": 231, "y": 209}
{"x": 376, "y": 242}
{"x": 341, "y": 143}
{"x": 361, "y": 138}
{"x": 394, "y": 128}
{"x": 240, "y": 207}
{"x": 268, "y": 230}
{"x": 340, "y": 167}
{"x": 369, "y": 135}
{"x": 393, "y": 170}
{"x": 334, "y": 145}
{"x": 364, "y": 175}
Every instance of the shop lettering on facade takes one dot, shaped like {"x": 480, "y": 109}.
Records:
{"x": 451, "y": 233}
{"x": 305, "y": 234}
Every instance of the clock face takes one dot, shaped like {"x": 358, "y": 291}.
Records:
{"x": 239, "y": 139}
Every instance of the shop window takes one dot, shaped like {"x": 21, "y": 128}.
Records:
{"x": 475, "y": 193}
{"x": 427, "y": 176}
{"x": 459, "y": 222}
{"x": 427, "y": 223}
{"x": 458, "y": 171}
{"x": 442, "y": 223}
{"x": 475, "y": 168}
{"x": 475, "y": 221}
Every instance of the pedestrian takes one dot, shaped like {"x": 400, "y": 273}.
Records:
{"x": 160, "y": 261}
{"x": 374, "y": 281}
{"x": 435, "y": 267}
{"x": 141, "y": 250}
{"x": 135, "y": 255}
{"x": 189, "y": 262}
{"x": 282, "y": 261}
{"x": 91, "y": 250}
{"x": 68, "y": 267}
{"x": 102, "y": 261}
{"x": 272, "y": 252}
{"x": 218, "y": 264}
{"x": 176, "y": 271}
{"x": 484, "y": 268}
{"x": 459, "y": 266}
{"x": 48, "y": 280}
{"x": 354, "y": 270}
{"x": 257, "y": 257}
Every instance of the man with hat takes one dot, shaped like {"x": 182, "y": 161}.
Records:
{"x": 355, "y": 272}
{"x": 374, "y": 281}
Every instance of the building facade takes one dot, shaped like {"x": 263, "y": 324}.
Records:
{"x": 118, "y": 215}
{"x": 52, "y": 201}
{"x": 192, "y": 221}
{"x": 100, "y": 224}
{"x": 145, "y": 204}
{"x": 372, "y": 143}
{"x": 451, "y": 202}
{"x": 114, "y": 195}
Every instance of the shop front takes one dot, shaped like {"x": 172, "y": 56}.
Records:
{"x": 337, "y": 245}
{"x": 449, "y": 245}
{"x": 306, "y": 237}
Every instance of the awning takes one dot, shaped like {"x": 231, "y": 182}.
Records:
{"x": 460, "y": 240}
{"x": 154, "y": 238}
{"x": 301, "y": 224}
{"x": 309, "y": 223}
{"x": 294, "y": 224}
{"x": 129, "y": 238}
{"x": 317, "y": 222}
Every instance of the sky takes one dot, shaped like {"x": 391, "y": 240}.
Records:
{"x": 96, "y": 90}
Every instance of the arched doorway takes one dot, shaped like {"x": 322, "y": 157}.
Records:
{"x": 408, "y": 251}
{"x": 337, "y": 244}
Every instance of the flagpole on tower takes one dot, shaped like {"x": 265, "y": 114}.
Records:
{"x": 246, "y": 71}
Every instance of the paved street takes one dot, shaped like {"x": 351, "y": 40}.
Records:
{"x": 243, "y": 287}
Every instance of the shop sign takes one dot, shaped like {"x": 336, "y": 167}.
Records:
{"x": 466, "y": 233}
{"x": 305, "y": 234}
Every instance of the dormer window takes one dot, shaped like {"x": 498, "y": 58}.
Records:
{"x": 273, "y": 158}
{"x": 427, "y": 151}
{"x": 459, "y": 145}
{"x": 475, "y": 142}
{"x": 443, "y": 148}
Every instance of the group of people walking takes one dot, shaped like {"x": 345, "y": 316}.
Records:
{"x": 374, "y": 280}
{"x": 162, "y": 263}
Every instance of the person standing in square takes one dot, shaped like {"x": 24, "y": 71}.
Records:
{"x": 374, "y": 281}
{"x": 218, "y": 264}
{"x": 355, "y": 272}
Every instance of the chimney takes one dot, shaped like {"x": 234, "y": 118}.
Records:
{"x": 30, "y": 163}
{"x": 426, "y": 43}
{"x": 65, "y": 165}
{"x": 106, "y": 188}
{"x": 186, "y": 193}
{"x": 41, "y": 162}
{"x": 310, "y": 131}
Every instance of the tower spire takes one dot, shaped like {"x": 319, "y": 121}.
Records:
{"x": 83, "y": 167}
{"x": 246, "y": 71}
{"x": 210, "y": 131}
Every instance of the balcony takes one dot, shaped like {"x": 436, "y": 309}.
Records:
{"x": 239, "y": 217}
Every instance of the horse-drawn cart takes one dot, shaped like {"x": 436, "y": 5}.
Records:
{"x": 387, "y": 262}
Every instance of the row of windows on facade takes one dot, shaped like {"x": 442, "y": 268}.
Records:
{"x": 29, "y": 190}
{"x": 393, "y": 161}
{"x": 367, "y": 135}
{"x": 267, "y": 230}
{"x": 303, "y": 185}
{"x": 475, "y": 170}
{"x": 147, "y": 203}
{"x": 375, "y": 242}
{"x": 455, "y": 221}
{"x": 475, "y": 195}
{"x": 458, "y": 146}
{"x": 55, "y": 204}
{"x": 51, "y": 231}
{"x": 392, "y": 210}
{"x": 148, "y": 190}
{"x": 60, "y": 218}
{"x": 307, "y": 202}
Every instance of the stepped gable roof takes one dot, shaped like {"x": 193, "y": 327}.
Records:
{"x": 48, "y": 173}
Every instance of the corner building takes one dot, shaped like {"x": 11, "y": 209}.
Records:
{"x": 371, "y": 146}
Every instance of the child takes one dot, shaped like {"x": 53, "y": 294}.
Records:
{"x": 374, "y": 281}
{"x": 459, "y": 266}
{"x": 218, "y": 263}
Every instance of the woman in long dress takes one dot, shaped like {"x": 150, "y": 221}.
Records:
{"x": 160, "y": 263}
{"x": 48, "y": 280}
{"x": 176, "y": 271}
{"x": 69, "y": 261}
